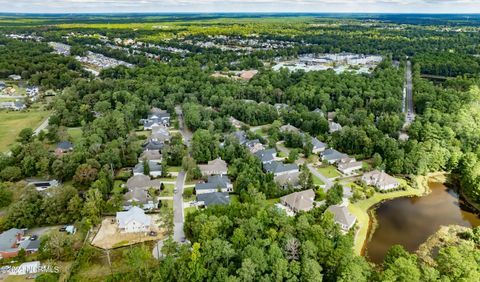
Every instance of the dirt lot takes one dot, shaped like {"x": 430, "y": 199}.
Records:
{"x": 109, "y": 237}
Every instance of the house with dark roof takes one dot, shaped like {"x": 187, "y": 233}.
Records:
{"x": 332, "y": 156}
{"x": 41, "y": 185}
{"x": 241, "y": 136}
{"x": 16, "y": 106}
{"x": 278, "y": 168}
{"x": 215, "y": 183}
{"x": 342, "y": 217}
{"x": 318, "y": 146}
{"x": 266, "y": 156}
{"x": 156, "y": 117}
{"x": 152, "y": 145}
{"x": 215, "y": 198}
{"x": 155, "y": 169}
{"x": 63, "y": 147}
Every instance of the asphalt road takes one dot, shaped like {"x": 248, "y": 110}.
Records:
{"x": 178, "y": 216}
{"x": 186, "y": 133}
{"x": 410, "y": 114}
{"x": 327, "y": 181}
{"x": 41, "y": 126}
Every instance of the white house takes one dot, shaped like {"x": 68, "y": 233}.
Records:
{"x": 349, "y": 167}
{"x": 133, "y": 221}
{"x": 381, "y": 180}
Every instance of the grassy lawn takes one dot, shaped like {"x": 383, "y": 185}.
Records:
{"x": 174, "y": 168}
{"x": 168, "y": 179}
{"x": 11, "y": 123}
{"x": 360, "y": 210}
{"x": 329, "y": 171}
{"x": 117, "y": 186}
{"x": 317, "y": 181}
{"x": 168, "y": 191}
{"x": 188, "y": 191}
{"x": 75, "y": 133}
{"x": 273, "y": 201}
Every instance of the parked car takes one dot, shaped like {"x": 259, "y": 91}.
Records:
{"x": 152, "y": 233}
{"x": 33, "y": 237}
{"x": 63, "y": 228}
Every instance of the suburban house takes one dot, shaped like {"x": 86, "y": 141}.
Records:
{"x": 299, "y": 201}
{"x": 380, "y": 180}
{"x": 155, "y": 169}
{"x": 215, "y": 198}
{"x": 217, "y": 166}
{"x": 16, "y": 106}
{"x": 160, "y": 133}
{"x": 342, "y": 217}
{"x": 349, "y": 167}
{"x": 241, "y": 136}
{"x": 289, "y": 128}
{"x": 63, "y": 147}
{"x": 278, "y": 168}
{"x": 133, "y": 221}
{"x": 334, "y": 127}
{"x": 332, "y": 156}
{"x": 152, "y": 155}
{"x": 254, "y": 146}
{"x": 13, "y": 240}
{"x": 159, "y": 116}
{"x": 288, "y": 180}
{"x": 318, "y": 146}
{"x": 215, "y": 183}
{"x": 152, "y": 145}
{"x": 142, "y": 182}
{"x": 139, "y": 197}
{"x": 266, "y": 156}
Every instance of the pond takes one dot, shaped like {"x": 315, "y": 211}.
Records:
{"x": 410, "y": 221}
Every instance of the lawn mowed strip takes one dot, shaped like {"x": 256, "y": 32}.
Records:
{"x": 11, "y": 123}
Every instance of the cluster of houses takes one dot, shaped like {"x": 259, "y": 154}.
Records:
{"x": 100, "y": 61}
{"x": 13, "y": 240}
{"x": 15, "y": 106}
{"x": 215, "y": 191}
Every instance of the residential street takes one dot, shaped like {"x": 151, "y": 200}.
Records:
{"x": 327, "y": 181}
{"x": 41, "y": 126}
{"x": 410, "y": 114}
{"x": 178, "y": 217}
{"x": 186, "y": 133}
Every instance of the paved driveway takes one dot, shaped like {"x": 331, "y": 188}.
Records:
{"x": 178, "y": 216}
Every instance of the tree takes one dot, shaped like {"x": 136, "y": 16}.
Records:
{"x": 146, "y": 167}
{"x": 25, "y": 136}
{"x": 292, "y": 156}
{"x": 93, "y": 206}
{"x": 56, "y": 245}
{"x": 11, "y": 173}
{"x": 139, "y": 258}
{"x": 205, "y": 146}
{"x": 306, "y": 178}
{"x": 334, "y": 195}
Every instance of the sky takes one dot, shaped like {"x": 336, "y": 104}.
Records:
{"x": 208, "y": 6}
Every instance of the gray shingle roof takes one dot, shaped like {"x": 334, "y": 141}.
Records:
{"x": 216, "y": 198}
{"x": 278, "y": 167}
{"x": 341, "y": 215}
{"x": 214, "y": 182}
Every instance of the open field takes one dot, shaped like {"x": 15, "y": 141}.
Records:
{"x": 11, "y": 123}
